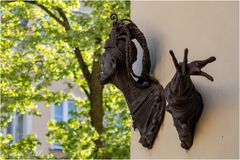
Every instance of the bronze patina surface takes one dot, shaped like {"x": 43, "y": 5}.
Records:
{"x": 144, "y": 94}
{"x": 184, "y": 101}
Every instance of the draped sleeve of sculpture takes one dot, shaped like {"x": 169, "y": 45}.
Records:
{"x": 184, "y": 101}
{"x": 144, "y": 94}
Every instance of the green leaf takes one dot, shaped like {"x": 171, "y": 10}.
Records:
{"x": 36, "y": 51}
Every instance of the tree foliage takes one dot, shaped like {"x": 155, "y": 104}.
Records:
{"x": 47, "y": 41}
{"x": 23, "y": 149}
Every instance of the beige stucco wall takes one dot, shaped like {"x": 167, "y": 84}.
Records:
{"x": 206, "y": 29}
{"x": 39, "y": 127}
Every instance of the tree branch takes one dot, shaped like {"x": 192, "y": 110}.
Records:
{"x": 66, "y": 25}
{"x": 86, "y": 91}
{"x": 65, "y": 20}
{"x": 48, "y": 12}
{"x": 77, "y": 51}
{"x": 82, "y": 64}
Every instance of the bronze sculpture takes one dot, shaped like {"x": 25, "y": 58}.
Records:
{"x": 144, "y": 96}
{"x": 184, "y": 101}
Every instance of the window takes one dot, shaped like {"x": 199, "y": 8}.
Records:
{"x": 62, "y": 112}
{"x": 18, "y": 127}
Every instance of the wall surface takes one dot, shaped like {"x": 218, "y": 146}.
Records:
{"x": 206, "y": 29}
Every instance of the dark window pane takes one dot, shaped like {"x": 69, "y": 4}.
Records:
{"x": 71, "y": 107}
{"x": 19, "y": 127}
{"x": 10, "y": 127}
{"x": 58, "y": 112}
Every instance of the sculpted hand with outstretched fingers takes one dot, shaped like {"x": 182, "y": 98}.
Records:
{"x": 184, "y": 101}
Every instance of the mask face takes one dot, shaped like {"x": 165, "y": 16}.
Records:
{"x": 144, "y": 96}
{"x": 108, "y": 66}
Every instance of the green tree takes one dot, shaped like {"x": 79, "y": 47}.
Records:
{"x": 46, "y": 41}
{"x": 23, "y": 149}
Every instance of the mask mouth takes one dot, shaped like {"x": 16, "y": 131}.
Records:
{"x": 104, "y": 78}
